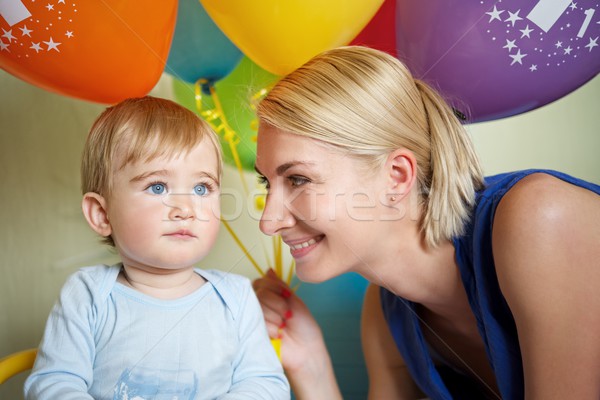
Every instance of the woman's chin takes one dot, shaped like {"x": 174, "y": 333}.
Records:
{"x": 313, "y": 274}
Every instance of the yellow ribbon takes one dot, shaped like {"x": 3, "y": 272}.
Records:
{"x": 230, "y": 136}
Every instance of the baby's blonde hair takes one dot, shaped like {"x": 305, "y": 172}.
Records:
{"x": 368, "y": 104}
{"x": 139, "y": 129}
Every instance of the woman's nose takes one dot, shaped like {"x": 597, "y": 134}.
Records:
{"x": 277, "y": 214}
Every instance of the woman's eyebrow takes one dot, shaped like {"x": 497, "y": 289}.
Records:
{"x": 284, "y": 167}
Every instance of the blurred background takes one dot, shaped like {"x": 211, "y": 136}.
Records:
{"x": 517, "y": 119}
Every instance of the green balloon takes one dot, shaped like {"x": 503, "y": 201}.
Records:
{"x": 235, "y": 92}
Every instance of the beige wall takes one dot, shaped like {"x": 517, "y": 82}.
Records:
{"x": 44, "y": 237}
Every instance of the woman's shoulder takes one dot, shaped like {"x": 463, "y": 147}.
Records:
{"x": 519, "y": 193}
{"x": 544, "y": 197}
{"x": 533, "y": 178}
{"x": 523, "y": 205}
{"x": 545, "y": 214}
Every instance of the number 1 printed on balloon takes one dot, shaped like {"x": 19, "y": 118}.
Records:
{"x": 589, "y": 13}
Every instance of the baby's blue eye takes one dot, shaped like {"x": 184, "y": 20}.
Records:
{"x": 157, "y": 188}
{"x": 200, "y": 190}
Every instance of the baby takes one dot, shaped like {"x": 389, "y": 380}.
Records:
{"x": 153, "y": 326}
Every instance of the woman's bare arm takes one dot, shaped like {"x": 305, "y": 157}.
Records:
{"x": 388, "y": 376}
{"x": 546, "y": 241}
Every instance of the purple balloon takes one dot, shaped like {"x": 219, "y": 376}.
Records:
{"x": 493, "y": 59}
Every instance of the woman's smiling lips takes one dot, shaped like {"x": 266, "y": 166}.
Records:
{"x": 301, "y": 248}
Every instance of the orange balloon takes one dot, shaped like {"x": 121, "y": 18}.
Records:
{"x": 102, "y": 51}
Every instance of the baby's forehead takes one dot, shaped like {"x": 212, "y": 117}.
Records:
{"x": 150, "y": 150}
{"x": 124, "y": 159}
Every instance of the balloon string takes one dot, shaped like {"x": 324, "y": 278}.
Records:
{"x": 276, "y": 343}
{"x": 241, "y": 245}
{"x": 230, "y": 136}
{"x": 290, "y": 273}
{"x": 276, "y": 255}
{"x": 267, "y": 257}
{"x": 198, "y": 95}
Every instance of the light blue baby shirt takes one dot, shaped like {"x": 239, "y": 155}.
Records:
{"x": 104, "y": 340}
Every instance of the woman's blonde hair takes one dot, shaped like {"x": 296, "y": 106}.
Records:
{"x": 367, "y": 103}
{"x": 139, "y": 129}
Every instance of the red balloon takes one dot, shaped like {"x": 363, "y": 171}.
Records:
{"x": 103, "y": 51}
{"x": 380, "y": 32}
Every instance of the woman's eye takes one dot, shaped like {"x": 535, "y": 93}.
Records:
{"x": 263, "y": 181}
{"x": 156, "y": 188}
{"x": 298, "y": 180}
{"x": 200, "y": 189}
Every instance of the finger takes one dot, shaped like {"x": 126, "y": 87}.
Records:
{"x": 273, "y": 318}
{"x": 273, "y": 331}
{"x": 273, "y": 302}
{"x": 273, "y": 285}
{"x": 273, "y": 307}
{"x": 267, "y": 281}
{"x": 271, "y": 274}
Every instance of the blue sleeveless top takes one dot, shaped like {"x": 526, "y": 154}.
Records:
{"x": 494, "y": 319}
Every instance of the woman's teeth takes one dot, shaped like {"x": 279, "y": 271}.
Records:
{"x": 302, "y": 245}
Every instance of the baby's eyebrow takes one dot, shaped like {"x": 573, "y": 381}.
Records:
{"x": 145, "y": 175}
{"x": 165, "y": 173}
{"x": 210, "y": 176}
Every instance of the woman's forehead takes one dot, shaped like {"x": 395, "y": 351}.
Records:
{"x": 275, "y": 146}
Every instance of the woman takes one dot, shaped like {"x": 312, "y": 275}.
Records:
{"x": 480, "y": 288}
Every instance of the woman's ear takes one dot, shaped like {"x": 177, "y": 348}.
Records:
{"x": 94, "y": 210}
{"x": 401, "y": 167}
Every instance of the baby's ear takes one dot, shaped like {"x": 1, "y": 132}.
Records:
{"x": 94, "y": 211}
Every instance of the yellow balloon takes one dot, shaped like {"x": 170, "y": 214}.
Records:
{"x": 281, "y": 35}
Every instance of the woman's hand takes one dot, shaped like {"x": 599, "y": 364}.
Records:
{"x": 304, "y": 355}
{"x": 287, "y": 318}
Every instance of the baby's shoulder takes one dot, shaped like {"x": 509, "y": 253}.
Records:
{"x": 225, "y": 279}
{"x": 92, "y": 281}
{"x": 234, "y": 289}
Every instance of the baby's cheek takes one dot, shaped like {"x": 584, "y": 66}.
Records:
{"x": 208, "y": 209}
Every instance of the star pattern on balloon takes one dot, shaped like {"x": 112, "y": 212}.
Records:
{"x": 36, "y": 33}
{"x": 593, "y": 43}
{"x": 523, "y": 33}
